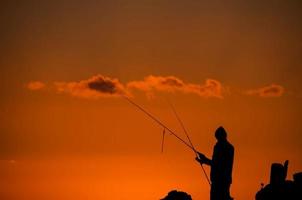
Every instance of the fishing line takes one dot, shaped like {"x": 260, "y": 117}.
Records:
{"x": 163, "y": 141}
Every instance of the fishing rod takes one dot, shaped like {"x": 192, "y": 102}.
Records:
{"x": 185, "y": 131}
{"x": 159, "y": 122}
{"x": 168, "y": 129}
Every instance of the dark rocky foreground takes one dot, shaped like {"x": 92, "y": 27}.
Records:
{"x": 278, "y": 188}
{"x": 177, "y": 195}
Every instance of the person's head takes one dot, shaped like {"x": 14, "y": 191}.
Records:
{"x": 220, "y": 134}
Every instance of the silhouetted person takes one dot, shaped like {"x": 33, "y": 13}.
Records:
{"x": 221, "y": 166}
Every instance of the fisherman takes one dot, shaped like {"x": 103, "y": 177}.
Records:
{"x": 221, "y": 166}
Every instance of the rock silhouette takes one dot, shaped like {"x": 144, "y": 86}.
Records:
{"x": 177, "y": 195}
{"x": 279, "y": 188}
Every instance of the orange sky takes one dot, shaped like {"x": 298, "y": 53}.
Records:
{"x": 235, "y": 64}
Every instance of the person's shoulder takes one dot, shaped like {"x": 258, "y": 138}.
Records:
{"x": 230, "y": 146}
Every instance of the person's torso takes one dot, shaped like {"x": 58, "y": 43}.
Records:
{"x": 222, "y": 162}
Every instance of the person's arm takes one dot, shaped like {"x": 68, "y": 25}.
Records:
{"x": 202, "y": 159}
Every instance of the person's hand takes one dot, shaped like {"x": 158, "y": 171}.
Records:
{"x": 200, "y": 158}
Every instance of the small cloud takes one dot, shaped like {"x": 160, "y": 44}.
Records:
{"x": 150, "y": 84}
{"x": 12, "y": 162}
{"x": 95, "y": 87}
{"x": 35, "y": 85}
{"x": 272, "y": 90}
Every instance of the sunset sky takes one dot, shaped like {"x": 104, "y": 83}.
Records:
{"x": 66, "y": 133}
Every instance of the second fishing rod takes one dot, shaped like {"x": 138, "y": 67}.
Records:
{"x": 188, "y": 137}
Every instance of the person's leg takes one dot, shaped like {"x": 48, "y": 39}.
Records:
{"x": 227, "y": 192}
{"x": 220, "y": 192}
{"x": 217, "y": 192}
{"x": 213, "y": 192}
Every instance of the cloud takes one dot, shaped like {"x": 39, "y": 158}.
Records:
{"x": 272, "y": 90}
{"x": 102, "y": 86}
{"x": 95, "y": 87}
{"x": 12, "y": 161}
{"x": 150, "y": 84}
{"x": 35, "y": 85}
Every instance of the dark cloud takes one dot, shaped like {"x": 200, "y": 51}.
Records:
{"x": 95, "y": 87}
{"x": 103, "y": 85}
